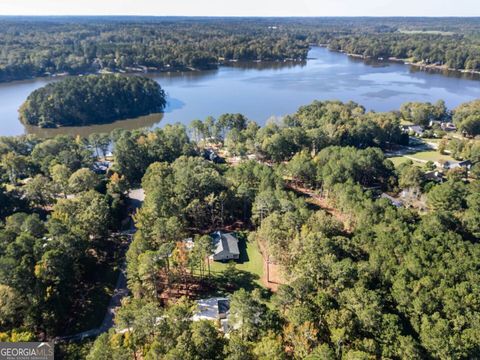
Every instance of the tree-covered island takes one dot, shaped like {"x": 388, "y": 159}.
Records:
{"x": 78, "y": 101}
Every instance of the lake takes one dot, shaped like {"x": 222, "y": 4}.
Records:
{"x": 265, "y": 90}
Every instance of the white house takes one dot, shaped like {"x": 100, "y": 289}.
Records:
{"x": 225, "y": 246}
{"x": 447, "y": 165}
{"x": 416, "y": 129}
{"x": 213, "y": 309}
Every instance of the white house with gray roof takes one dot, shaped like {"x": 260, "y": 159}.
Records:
{"x": 225, "y": 246}
{"x": 213, "y": 309}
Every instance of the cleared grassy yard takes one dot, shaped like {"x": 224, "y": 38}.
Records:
{"x": 431, "y": 155}
{"x": 420, "y": 158}
{"x": 250, "y": 261}
{"x": 398, "y": 160}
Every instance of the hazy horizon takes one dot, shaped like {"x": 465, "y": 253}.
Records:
{"x": 239, "y": 16}
{"x": 246, "y": 8}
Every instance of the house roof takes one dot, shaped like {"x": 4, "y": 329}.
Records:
{"x": 434, "y": 175}
{"x": 449, "y": 164}
{"x": 416, "y": 128}
{"x": 211, "y": 309}
{"x": 225, "y": 242}
{"x": 223, "y": 306}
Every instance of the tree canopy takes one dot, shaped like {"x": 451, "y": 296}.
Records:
{"x": 78, "y": 101}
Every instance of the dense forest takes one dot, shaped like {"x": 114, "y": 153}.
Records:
{"x": 362, "y": 277}
{"x": 32, "y": 47}
{"x": 93, "y": 99}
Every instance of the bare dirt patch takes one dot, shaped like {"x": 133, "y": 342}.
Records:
{"x": 272, "y": 276}
{"x": 322, "y": 202}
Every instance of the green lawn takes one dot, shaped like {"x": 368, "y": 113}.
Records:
{"x": 431, "y": 155}
{"x": 398, "y": 160}
{"x": 422, "y": 157}
{"x": 250, "y": 261}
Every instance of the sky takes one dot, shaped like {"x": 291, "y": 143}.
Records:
{"x": 243, "y": 7}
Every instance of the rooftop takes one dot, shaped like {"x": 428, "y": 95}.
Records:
{"x": 211, "y": 309}
{"x": 225, "y": 241}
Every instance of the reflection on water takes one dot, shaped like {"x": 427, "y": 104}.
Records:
{"x": 448, "y": 73}
{"x": 173, "y": 104}
{"x": 262, "y": 90}
{"x": 130, "y": 124}
{"x": 267, "y": 65}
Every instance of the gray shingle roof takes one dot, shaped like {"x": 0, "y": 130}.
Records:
{"x": 227, "y": 242}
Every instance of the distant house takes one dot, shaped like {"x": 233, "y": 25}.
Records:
{"x": 436, "y": 176}
{"x": 211, "y": 155}
{"x": 416, "y": 129}
{"x": 448, "y": 165}
{"x": 392, "y": 200}
{"x": 448, "y": 126}
{"x": 225, "y": 246}
{"x": 101, "y": 167}
{"x": 213, "y": 309}
{"x": 444, "y": 125}
{"x": 467, "y": 164}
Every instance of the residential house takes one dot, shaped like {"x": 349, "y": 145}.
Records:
{"x": 448, "y": 126}
{"x": 211, "y": 155}
{"x": 213, "y": 309}
{"x": 101, "y": 167}
{"x": 444, "y": 125}
{"x": 417, "y": 130}
{"x": 225, "y": 246}
{"x": 435, "y": 175}
{"x": 451, "y": 164}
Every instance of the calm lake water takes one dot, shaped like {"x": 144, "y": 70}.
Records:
{"x": 265, "y": 90}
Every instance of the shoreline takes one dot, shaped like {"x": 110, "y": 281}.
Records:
{"x": 418, "y": 65}
{"x": 432, "y": 66}
{"x": 153, "y": 71}
{"x": 165, "y": 70}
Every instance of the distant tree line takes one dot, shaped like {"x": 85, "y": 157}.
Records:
{"x": 455, "y": 51}
{"x": 33, "y": 47}
{"x": 36, "y": 47}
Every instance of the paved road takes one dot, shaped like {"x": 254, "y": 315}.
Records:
{"x": 136, "y": 198}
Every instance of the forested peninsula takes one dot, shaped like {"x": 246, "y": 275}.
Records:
{"x": 79, "y": 101}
